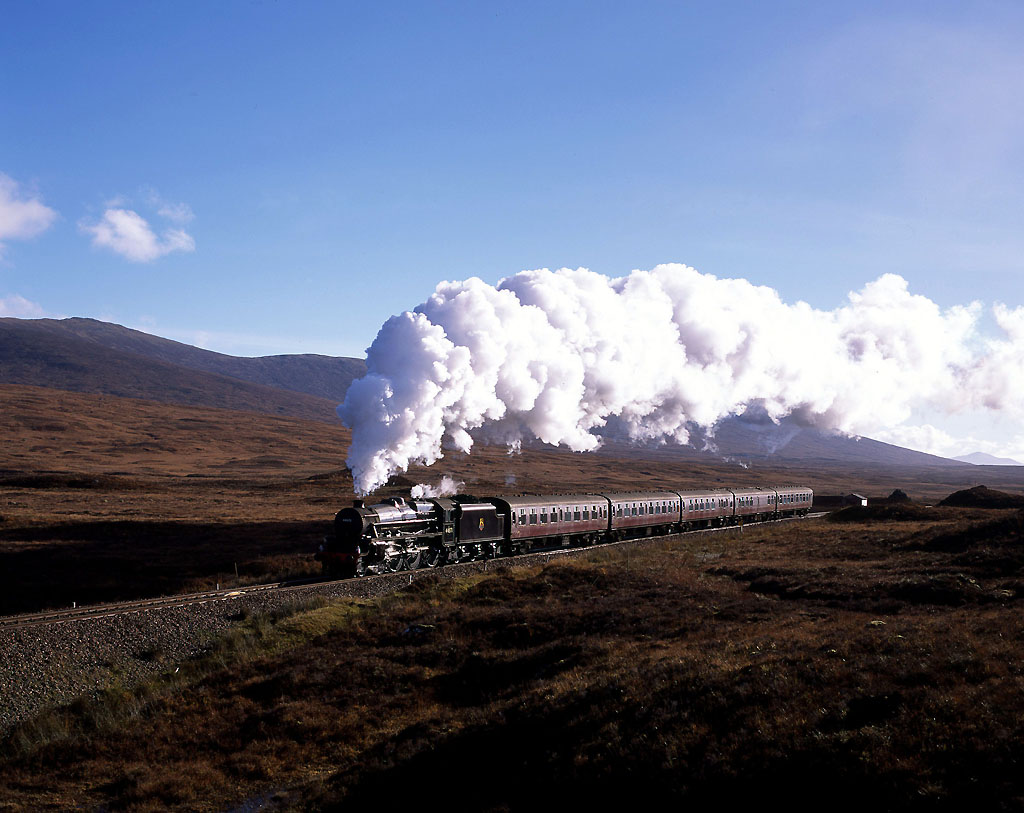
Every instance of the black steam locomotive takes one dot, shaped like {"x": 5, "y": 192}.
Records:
{"x": 399, "y": 535}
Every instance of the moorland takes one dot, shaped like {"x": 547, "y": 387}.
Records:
{"x": 872, "y": 657}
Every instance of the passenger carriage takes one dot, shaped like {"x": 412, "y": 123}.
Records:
{"x": 793, "y": 500}
{"x": 753, "y": 503}
{"x": 566, "y": 518}
{"x": 706, "y": 508}
{"x": 643, "y": 513}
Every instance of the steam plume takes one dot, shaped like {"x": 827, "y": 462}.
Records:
{"x": 555, "y": 355}
{"x": 446, "y": 488}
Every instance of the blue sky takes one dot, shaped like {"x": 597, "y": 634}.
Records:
{"x": 263, "y": 177}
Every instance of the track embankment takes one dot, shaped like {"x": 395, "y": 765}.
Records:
{"x": 54, "y": 657}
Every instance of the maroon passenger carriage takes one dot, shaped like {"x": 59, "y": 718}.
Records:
{"x": 706, "y": 509}
{"x": 753, "y": 504}
{"x": 551, "y": 519}
{"x": 643, "y": 513}
{"x": 793, "y": 500}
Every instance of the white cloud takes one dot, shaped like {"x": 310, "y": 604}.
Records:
{"x": 129, "y": 234}
{"x": 176, "y": 212}
{"x": 927, "y": 438}
{"x": 180, "y": 213}
{"x": 18, "y": 306}
{"x": 21, "y": 217}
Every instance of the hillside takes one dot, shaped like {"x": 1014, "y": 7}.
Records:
{"x": 323, "y": 376}
{"x": 744, "y": 441}
{"x": 48, "y": 430}
{"x": 33, "y": 353}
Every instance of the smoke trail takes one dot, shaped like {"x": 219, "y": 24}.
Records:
{"x": 446, "y": 488}
{"x": 556, "y": 355}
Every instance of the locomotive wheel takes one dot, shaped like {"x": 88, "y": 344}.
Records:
{"x": 393, "y": 564}
{"x": 413, "y": 560}
{"x": 434, "y": 558}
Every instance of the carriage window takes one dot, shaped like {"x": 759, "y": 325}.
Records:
{"x": 533, "y": 516}
{"x": 522, "y": 516}
{"x": 586, "y": 513}
{"x": 544, "y": 515}
{"x": 576, "y": 514}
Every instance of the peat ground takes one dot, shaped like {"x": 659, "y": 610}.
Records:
{"x": 869, "y": 662}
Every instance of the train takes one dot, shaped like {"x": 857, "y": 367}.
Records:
{"x": 398, "y": 534}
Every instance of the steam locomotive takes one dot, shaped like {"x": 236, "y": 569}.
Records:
{"x": 397, "y": 534}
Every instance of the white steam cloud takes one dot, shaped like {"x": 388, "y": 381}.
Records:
{"x": 446, "y": 488}
{"x": 556, "y": 355}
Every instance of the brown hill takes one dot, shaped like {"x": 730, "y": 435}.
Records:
{"x": 33, "y": 353}
{"x": 323, "y": 376}
{"x": 47, "y": 430}
{"x": 984, "y": 497}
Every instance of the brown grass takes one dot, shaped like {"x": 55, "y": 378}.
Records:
{"x": 105, "y": 498}
{"x": 816, "y": 664}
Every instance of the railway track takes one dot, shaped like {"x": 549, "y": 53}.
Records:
{"x": 72, "y": 614}
{"x": 140, "y": 605}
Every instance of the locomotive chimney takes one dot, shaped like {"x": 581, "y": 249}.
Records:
{"x": 358, "y": 504}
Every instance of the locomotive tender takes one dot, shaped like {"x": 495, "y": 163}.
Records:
{"x": 405, "y": 535}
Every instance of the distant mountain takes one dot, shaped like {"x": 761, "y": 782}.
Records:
{"x": 984, "y": 459}
{"x": 42, "y": 353}
{"x": 323, "y": 376}
{"x": 743, "y": 439}
{"x": 757, "y": 437}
